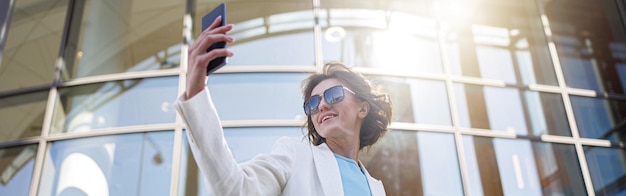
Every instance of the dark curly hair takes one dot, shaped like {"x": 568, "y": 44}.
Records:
{"x": 379, "y": 116}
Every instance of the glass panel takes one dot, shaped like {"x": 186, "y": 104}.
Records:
{"x": 546, "y": 112}
{"x": 136, "y": 164}
{"x": 523, "y": 167}
{"x": 276, "y": 32}
{"x": 497, "y": 39}
{"x": 415, "y": 163}
{"x": 607, "y": 168}
{"x": 488, "y": 107}
{"x": 21, "y": 116}
{"x": 600, "y": 118}
{"x": 411, "y": 105}
{"x": 34, "y": 30}
{"x": 119, "y": 36}
{"x": 511, "y": 110}
{"x": 16, "y": 169}
{"x": 115, "y": 104}
{"x": 391, "y": 35}
{"x": 591, "y": 43}
{"x": 244, "y": 143}
{"x": 257, "y": 96}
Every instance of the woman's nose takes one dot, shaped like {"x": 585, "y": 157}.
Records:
{"x": 323, "y": 105}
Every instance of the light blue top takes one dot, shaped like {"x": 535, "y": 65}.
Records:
{"x": 352, "y": 177}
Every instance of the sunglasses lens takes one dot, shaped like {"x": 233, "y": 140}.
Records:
{"x": 334, "y": 95}
{"x": 311, "y": 106}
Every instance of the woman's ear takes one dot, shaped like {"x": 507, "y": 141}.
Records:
{"x": 364, "y": 109}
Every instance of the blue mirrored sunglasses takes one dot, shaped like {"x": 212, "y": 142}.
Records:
{"x": 331, "y": 95}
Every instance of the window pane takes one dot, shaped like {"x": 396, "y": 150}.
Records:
{"x": 276, "y": 32}
{"x": 115, "y": 104}
{"x": 511, "y": 110}
{"x": 410, "y": 163}
{"x": 591, "y": 43}
{"x": 35, "y": 30}
{"x": 22, "y": 116}
{"x": 600, "y": 118}
{"x": 546, "y": 112}
{"x": 417, "y": 101}
{"x": 488, "y": 107}
{"x": 136, "y": 164}
{"x": 523, "y": 167}
{"x": 16, "y": 169}
{"x": 244, "y": 143}
{"x": 496, "y": 39}
{"x": 257, "y": 96}
{"x": 391, "y": 35}
{"x": 607, "y": 169}
{"x": 123, "y": 36}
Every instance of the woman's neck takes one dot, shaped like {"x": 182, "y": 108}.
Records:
{"x": 345, "y": 148}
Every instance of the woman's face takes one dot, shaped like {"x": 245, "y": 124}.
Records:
{"x": 339, "y": 121}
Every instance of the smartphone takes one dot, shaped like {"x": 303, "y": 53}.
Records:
{"x": 207, "y": 20}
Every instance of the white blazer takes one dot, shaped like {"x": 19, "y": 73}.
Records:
{"x": 293, "y": 167}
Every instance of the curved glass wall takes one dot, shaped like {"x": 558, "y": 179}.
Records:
{"x": 118, "y": 36}
{"x": 396, "y": 36}
{"x": 21, "y": 116}
{"x": 137, "y": 164}
{"x": 115, "y": 104}
{"x": 256, "y": 96}
{"x": 16, "y": 167}
{"x": 521, "y": 167}
{"x": 491, "y": 97}
{"x": 500, "y": 40}
{"x": 591, "y": 44}
{"x": 276, "y": 33}
{"x": 33, "y": 37}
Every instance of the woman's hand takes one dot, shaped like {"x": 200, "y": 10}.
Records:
{"x": 198, "y": 57}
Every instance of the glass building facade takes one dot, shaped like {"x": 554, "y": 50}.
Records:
{"x": 491, "y": 97}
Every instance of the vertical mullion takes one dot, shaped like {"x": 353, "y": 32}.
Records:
{"x": 458, "y": 136}
{"x": 317, "y": 33}
{"x": 566, "y": 100}
{"x": 178, "y": 130}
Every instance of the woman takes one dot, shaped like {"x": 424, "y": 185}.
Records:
{"x": 344, "y": 115}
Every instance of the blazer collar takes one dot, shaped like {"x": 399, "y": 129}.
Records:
{"x": 327, "y": 169}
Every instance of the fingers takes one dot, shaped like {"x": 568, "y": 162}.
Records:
{"x": 206, "y": 34}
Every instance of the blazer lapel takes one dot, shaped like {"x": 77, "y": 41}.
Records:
{"x": 327, "y": 170}
{"x": 376, "y": 186}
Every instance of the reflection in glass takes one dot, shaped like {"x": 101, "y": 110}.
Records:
{"x": 266, "y": 33}
{"x": 491, "y": 108}
{"x": 591, "y": 44}
{"x": 252, "y": 96}
{"x": 32, "y": 43}
{"x": 16, "y": 169}
{"x": 131, "y": 164}
{"x": 511, "y": 110}
{"x": 115, "y": 104}
{"x": 369, "y": 36}
{"x": 600, "y": 118}
{"x": 520, "y": 167}
{"x": 502, "y": 40}
{"x": 607, "y": 167}
{"x": 417, "y": 101}
{"x": 21, "y": 116}
{"x": 415, "y": 163}
{"x": 119, "y": 36}
{"x": 244, "y": 143}
{"x": 546, "y": 112}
